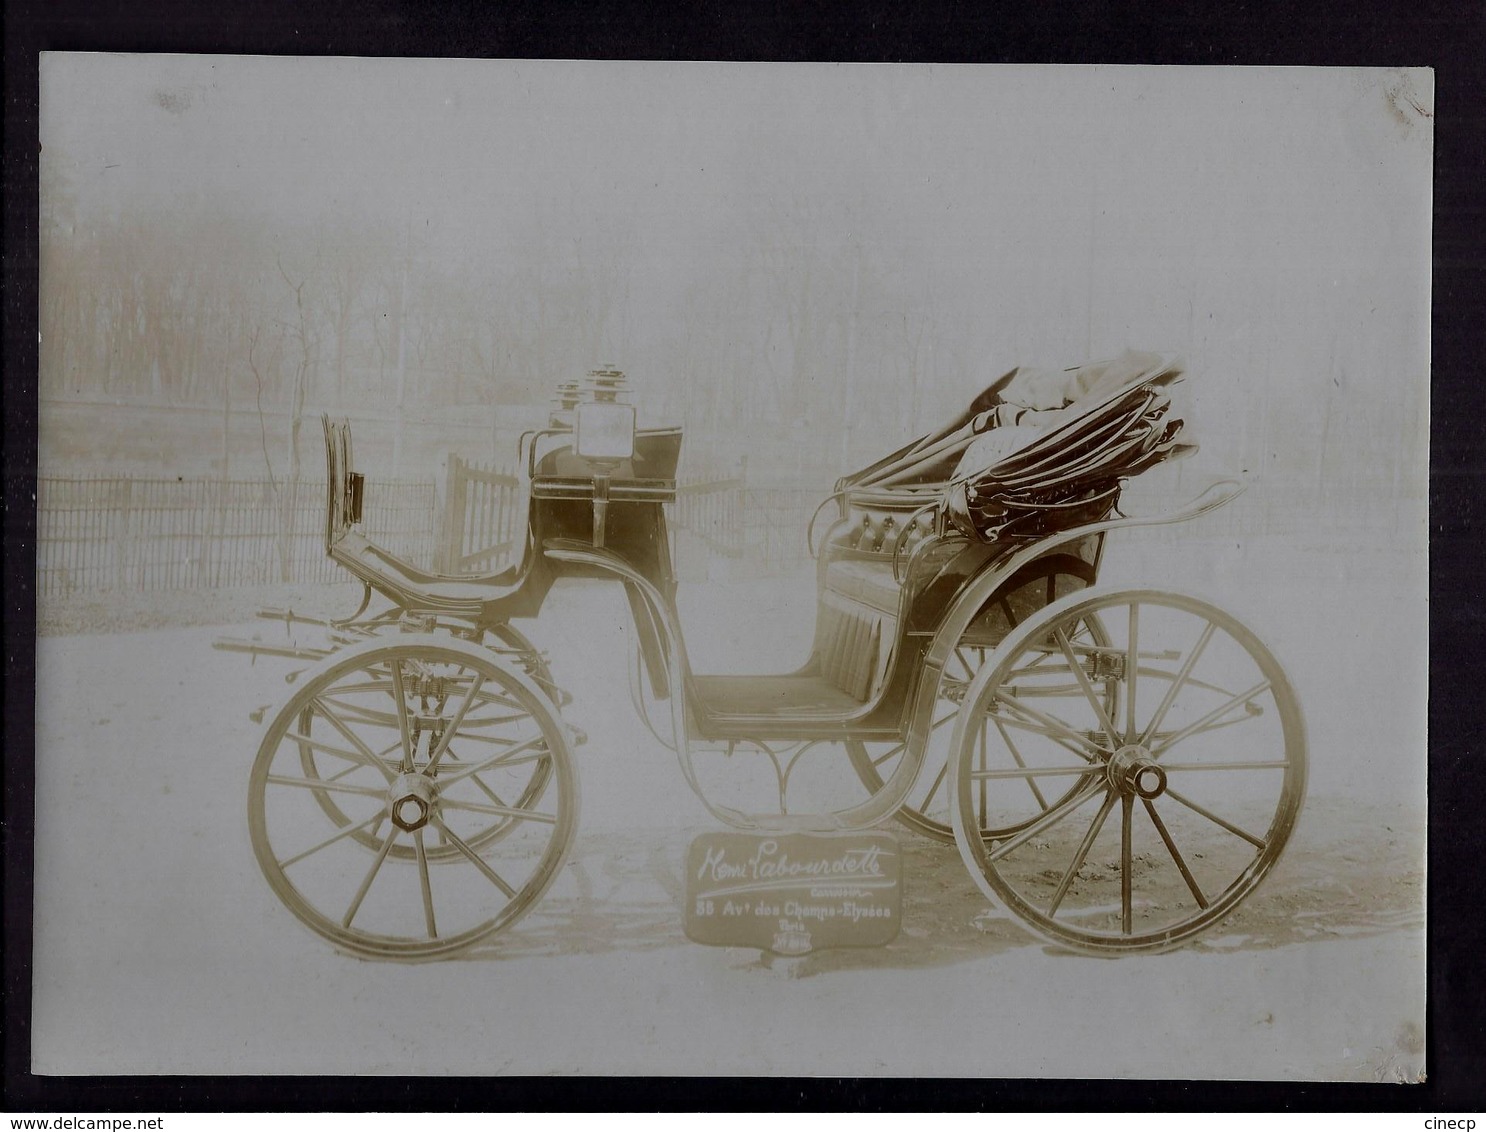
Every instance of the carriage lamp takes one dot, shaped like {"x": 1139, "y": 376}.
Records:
{"x": 604, "y": 435}
{"x": 564, "y": 401}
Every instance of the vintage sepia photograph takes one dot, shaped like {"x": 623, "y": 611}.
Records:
{"x": 731, "y": 569}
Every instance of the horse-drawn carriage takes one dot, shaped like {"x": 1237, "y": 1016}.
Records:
{"x": 1118, "y": 767}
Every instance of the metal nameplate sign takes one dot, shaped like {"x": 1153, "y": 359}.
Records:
{"x": 791, "y": 893}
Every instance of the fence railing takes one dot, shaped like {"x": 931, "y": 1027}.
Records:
{"x": 484, "y": 515}
{"x": 121, "y": 534}
{"x": 775, "y": 520}
{"x": 711, "y": 511}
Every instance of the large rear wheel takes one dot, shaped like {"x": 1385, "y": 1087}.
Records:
{"x": 1134, "y": 822}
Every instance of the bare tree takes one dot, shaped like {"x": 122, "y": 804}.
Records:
{"x": 305, "y": 346}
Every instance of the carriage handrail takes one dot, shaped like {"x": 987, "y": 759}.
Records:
{"x": 908, "y": 525}
{"x": 810, "y": 546}
{"x": 536, "y": 435}
{"x": 1197, "y": 506}
{"x": 1194, "y": 508}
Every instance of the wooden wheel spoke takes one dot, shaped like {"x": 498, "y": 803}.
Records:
{"x": 371, "y": 875}
{"x": 1127, "y": 813}
{"x": 1083, "y": 682}
{"x": 1021, "y": 762}
{"x": 934, "y": 788}
{"x": 453, "y": 725}
{"x": 425, "y": 886}
{"x": 381, "y": 764}
{"x": 505, "y": 758}
{"x": 1161, "y": 737}
{"x": 475, "y": 859}
{"x": 486, "y": 790}
{"x": 359, "y": 712}
{"x": 327, "y": 785}
{"x": 305, "y": 742}
{"x": 1046, "y": 733}
{"x": 1257, "y": 842}
{"x": 499, "y": 811}
{"x": 1181, "y": 678}
{"x": 386, "y": 688}
{"x": 1056, "y": 727}
{"x": 1011, "y": 617}
{"x": 1211, "y": 717}
{"x": 348, "y": 831}
{"x": 1176, "y": 856}
{"x": 1044, "y": 823}
{"x": 1081, "y": 853}
{"x": 898, "y": 748}
{"x": 351, "y": 737}
{"x": 1040, "y": 668}
{"x": 468, "y": 736}
{"x": 1029, "y": 772}
{"x": 403, "y": 727}
{"x": 489, "y": 721}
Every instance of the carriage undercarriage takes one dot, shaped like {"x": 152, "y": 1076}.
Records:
{"x": 1119, "y": 768}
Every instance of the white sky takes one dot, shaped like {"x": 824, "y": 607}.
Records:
{"x": 940, "y": 152}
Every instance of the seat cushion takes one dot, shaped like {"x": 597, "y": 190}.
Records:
{"x": 868, "y": 581}
{"x": 857, "y": 624}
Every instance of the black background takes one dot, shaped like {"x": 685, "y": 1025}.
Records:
{"x": 1450, "y": 37}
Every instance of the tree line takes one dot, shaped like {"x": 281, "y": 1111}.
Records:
{"x": 208, "y": 304}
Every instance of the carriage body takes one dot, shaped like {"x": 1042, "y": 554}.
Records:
{"x": 944, "y": 600}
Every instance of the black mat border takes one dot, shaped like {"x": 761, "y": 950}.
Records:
{"x": 1449, "y": 37}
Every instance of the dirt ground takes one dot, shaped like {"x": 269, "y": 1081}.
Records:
{"x": 159, "y": 948}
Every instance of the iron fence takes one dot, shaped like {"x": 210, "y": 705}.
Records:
{"x": 111, "y": 533}
{"x": 775, "y": 520}
{"x": 711, "y": 511}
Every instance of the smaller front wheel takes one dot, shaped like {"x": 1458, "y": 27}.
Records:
{"x": 1138, "y": 819}
{"x": 454, "y": 797}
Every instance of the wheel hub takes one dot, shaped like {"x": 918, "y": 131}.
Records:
{"x": 1132, "y": 770}
{"x": 410, "y": 801}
